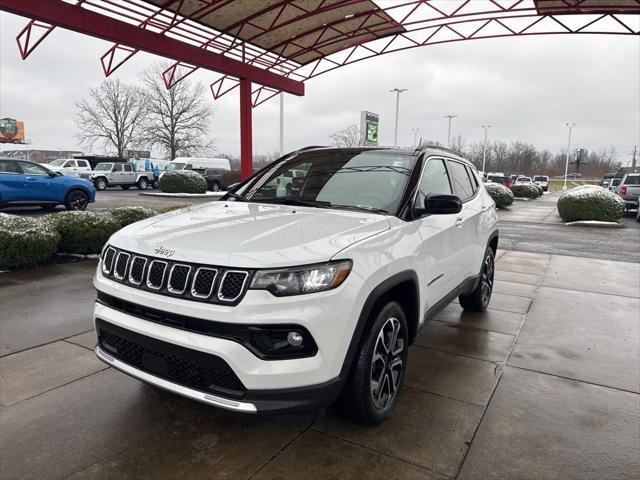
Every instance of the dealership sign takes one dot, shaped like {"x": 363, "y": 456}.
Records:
{"x": 369, "y": 128}
{"x": 11, "y": 131}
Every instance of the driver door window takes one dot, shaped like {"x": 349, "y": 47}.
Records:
{"x": 32, "y": 169}
{"x": 435, "y": 180}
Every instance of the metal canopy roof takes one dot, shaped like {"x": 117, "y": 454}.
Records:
{"x": 293, "y": 29}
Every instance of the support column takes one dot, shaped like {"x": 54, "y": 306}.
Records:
{"x": 246, "y": 138}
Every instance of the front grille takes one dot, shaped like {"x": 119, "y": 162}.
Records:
{"x": 202, "y": 283}
{"x": 190, "y": 368}
{"x": 232, "y": 285}
{"x": 107, "y": 263}
{"x": 121, "y": 265}
{"x": 155, "y": 276}
{"x": 136, "y": 274}
{"x": 178, "y": 277}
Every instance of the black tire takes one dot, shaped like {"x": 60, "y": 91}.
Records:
{"x": 366, "y": 403}
{"x": 142, "y": 184}
{"x": 155, "y": 185}
{"x": 76, "y": 200}
{"x": 125, "y": 187}
{"x": 478, "y": 300}
{"x": 215, "y": 187}
{"x": 100, "y": 184}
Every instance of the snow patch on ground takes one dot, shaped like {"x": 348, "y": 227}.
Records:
{"x": 184, "y": 195}
{"x": 595, "y": 223}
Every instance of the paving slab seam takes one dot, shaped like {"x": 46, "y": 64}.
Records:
{"x": 589, "y": 291}
{"x": 63, "y": 339}
{"x": 495, "y": 387}
{"x": 8, "y": 407}
{"x": 275, "y": 455}
{"x": 445, "y": 396}
{"x": 482, "y": 329}
{"x": 384, "y": 454}
{"x": 462, "y": 354}
{"x": 77, "y": 344}
{"x": 575, "y": 380}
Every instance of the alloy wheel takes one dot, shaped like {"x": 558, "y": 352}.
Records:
{"x": 77, "y": 201}
{"x": 487, "y": 279}
{"x": 386, "y": 364}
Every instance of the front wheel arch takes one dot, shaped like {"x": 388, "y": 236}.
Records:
{"x": 401, "y": 287}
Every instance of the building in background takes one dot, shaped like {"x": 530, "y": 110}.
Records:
{"x": 40, "y": 156}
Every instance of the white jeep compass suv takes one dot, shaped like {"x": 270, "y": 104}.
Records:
{"x": 280, "y": 300}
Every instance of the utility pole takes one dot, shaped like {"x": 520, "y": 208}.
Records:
{"x": 450, "y": 117}
{"x": 484, "y": 149}
{"x": 566, "y": 166}
{"x": 398, "y": 92}
{"x": 415, "y": 136}
{"x": 633, "y": 161}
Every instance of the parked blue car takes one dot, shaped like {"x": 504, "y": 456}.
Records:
{"x": 25, "y": 183}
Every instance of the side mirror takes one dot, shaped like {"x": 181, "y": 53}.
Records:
{"x": 233, "y": 187}
{"x": 442, "y": 204}
{"x": 52, "y": 173}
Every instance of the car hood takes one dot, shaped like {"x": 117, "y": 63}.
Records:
{"x": 249, "y": 235}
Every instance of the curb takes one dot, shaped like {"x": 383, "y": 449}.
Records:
{"x": 212, "y": 195}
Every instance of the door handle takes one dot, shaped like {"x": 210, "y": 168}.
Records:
{"x": 459, "y": 221}
{"x": 31, "y": 179}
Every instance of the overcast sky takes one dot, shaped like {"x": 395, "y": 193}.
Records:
{"x": 526, "y": 88}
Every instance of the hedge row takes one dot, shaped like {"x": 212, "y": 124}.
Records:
{"x": 530, "y": 190}
{"x": 27, "y": 241}
{"x": 590, "y": 202}
{"x": 183, "y": 181}
{"x": 502, "y": 196}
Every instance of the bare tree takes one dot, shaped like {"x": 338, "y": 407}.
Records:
{"x": 111, "y": 116}
{"x": 458, "y": 145}
{"x": 178, "y": 119}
{"x": 347, "y": 137}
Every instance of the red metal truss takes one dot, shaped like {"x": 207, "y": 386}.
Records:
{"x": 31, "y": 35}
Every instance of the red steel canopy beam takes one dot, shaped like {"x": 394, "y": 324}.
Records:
{"x": 64, "y": 15}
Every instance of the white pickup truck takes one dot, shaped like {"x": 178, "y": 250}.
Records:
{"x": 71, "y": 167}
{"x": 120, "y": 174}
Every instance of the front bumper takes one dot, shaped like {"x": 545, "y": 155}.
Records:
{"x": 270, "y": 386}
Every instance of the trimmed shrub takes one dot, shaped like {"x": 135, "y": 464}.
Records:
{"x": 540, "y": 189}
{"x": 83, "y": 232}
{"x": 128, "y": 215}
{"x": 230, "y": 177}
{"x": 183, "y": 181}
{"x": 590, "y": 202}
{"x": 25, "y": 241}
{"x": 502, "y": 196}
{"x": 527, "y": 191}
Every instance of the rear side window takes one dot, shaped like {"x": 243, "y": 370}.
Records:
{"x": 128, "y": 168}
{"x": 460, "y": 180}
{"x": 82, "y": 163}
{"x": 9, "y": 167}
{"x": 434, "y": 180}
{"x": 632, "y": 180}
{"x": 472, "y": 178}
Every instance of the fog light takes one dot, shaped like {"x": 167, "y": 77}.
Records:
{"x": 295, "y": 339}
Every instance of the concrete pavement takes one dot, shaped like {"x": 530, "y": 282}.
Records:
{"x": 543, "y": 385}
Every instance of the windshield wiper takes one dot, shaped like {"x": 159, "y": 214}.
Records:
{"x": 237, "y": 197}
{"x": 365, "y": 208}
{"x": 298, "y": 202}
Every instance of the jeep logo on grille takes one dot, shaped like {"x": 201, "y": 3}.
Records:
{"x": 165, "y": 252}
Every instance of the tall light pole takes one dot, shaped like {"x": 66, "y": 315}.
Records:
{"x": 484, "y": 149}
{"x": 415, "y": 136}
{"x": 450, "y": 117}
{"x": 398, "y": 92}
{"x": 566, "y": 166}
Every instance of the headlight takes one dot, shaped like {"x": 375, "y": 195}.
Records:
{"x": 298, "y": 280}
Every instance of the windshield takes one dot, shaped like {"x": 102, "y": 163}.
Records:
{"x": 102, "y": 167}
{"x": 172, "y": 167}
{"x": 524, "y": 179}
{"x": 540, "y": 179}
{"x": 57, "y": 163}
{"x": 370, "y": 180}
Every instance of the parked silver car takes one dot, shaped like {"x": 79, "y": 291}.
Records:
{"x": 629, "y": 190}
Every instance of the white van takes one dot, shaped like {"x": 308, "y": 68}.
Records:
{"x": 197, "y": 163}
{"x": 71, "y": 167}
